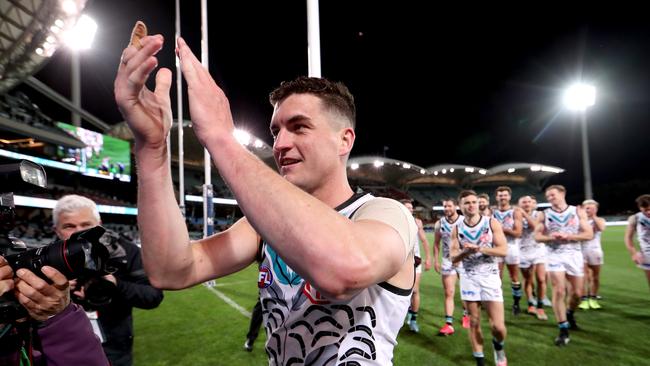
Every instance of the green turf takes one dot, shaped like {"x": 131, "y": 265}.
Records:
{"x": 195, "y": 327}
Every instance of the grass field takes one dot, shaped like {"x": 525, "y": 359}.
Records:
{"x": 195, "y": 327}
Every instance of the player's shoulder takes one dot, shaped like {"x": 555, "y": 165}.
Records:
{"x": 632, "y": 219}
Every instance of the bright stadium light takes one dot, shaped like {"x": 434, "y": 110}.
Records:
{"x": 81, "y": 36}
{"x": 242, "y": 137}
{"x": 579, "y": 97}
{"x": 451, "y": 170}
{"x": 407, "y": 166}
{"x": 354, "y": 166}
{"x": 511, "y": 170}
{"x": 422, "y": 171}
{"x": 378, "y": 163}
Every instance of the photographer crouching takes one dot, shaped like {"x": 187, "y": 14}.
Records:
{"x": 110, "y": 299}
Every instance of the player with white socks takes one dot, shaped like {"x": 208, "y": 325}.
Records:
{"x": 443, "y": 229}
{"x": 476, "y": 241}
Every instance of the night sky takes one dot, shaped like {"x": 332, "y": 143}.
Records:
{"x": 466, "y": 85}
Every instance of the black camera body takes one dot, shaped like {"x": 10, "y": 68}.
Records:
{"x": 80, "y": 255}
{"x": 98, "y": 291}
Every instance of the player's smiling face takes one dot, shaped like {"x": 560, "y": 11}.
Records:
{"x": 448, "y": 208}
{"x": 503, "y": 197}
{"x": 307, "y": 148}
{"x": 469, "y": 205}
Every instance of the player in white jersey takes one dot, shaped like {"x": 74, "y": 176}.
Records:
{"x": 510, "y": 219}
{"x": 593, "y": 255}
{"x": 412, "y": 316}
{"x": 476, "y": 241}
{"x": 334, "y": 283}
{"x": 639, "y": 223}
{"x": 484, "y": 204}
{"x": 443, "y": 229}
{"x": 562, "y": 227}
{"x": 532, "y": 259}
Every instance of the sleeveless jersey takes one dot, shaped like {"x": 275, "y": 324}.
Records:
{"x": 593, "y": 244}
{"x": 446, "y": 228}
{"x": 507, "y": 220}
{"x": 566, "y": 221}
{"x": 643, "y": 233}
{"x": 481, "y": 235}
{"x": 305, "y": 328}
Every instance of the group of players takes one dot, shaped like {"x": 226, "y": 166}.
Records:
{"x": 561, "y": 243}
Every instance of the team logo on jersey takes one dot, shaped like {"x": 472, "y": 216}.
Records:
{"x": 285, "y": 275}
{"x": 314, "y": 295}
{"x": 265, "y": 277}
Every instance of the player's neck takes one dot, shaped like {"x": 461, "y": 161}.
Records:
{"x": 452, "y": 217}
{"x": 504, "y": 207}
{"x": 472, "y": 219}
{"x": 560, "y": 207}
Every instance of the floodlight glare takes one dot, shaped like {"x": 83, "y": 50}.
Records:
{"x": 354, "y": 166}
{"x": 242, "y": 136}
{"x": 407, "y": 166}
{"x": 580, "y": 97}
{"x": 69, "y": 6}
{"x": 80, "y": 37}
{"x": 378, "y": 163}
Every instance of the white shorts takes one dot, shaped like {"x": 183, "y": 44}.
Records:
{"x": 481, "y": 287}
{"x": 448, "y": 268}
{"x": 570, "y": 262}
{"x": 593, "y": 256}
{"x": 512, "y": 256}
{"x": 532, "y": 256}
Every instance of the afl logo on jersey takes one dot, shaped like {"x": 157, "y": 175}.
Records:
{"x": 265, "y": 277}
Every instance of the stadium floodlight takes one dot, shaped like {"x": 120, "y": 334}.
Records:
{"x": 579, "y": 97}
{"x": 407, "y": 166}
{"x": 78, "y": 38}
{"x": 69, "y": 7}
{"x": 422, "y": 171}
{"x": 242, "y": 136}
{"x": 378, "y": 163}
{"x": 444, "y": 171}
{"x": 469, "y": 170}
{"x": 482, "y": 171}
{"x": 81, "y": 36}
{"x": 451, "y": 170}
{"x": 511, "y": 170}
{"x": 354, "y": 166}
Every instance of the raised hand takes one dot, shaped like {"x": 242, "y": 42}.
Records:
{"x": 147, "y": 113}
{"x": 209, "y": 106}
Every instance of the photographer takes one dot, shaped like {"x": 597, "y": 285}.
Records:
{"x": 73, "y": 213}
{"x": 58, "y": 332}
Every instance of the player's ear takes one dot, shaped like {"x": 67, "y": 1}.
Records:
{"x": 346, "y": 137}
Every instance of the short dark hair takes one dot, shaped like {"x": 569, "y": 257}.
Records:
{"x": 484, "y": 195}
{"x": 465, "y": 193}
{"x": 406, "y": 200}
{"x": 503, "y": 188}
{"x": 452, "y": 200}
{"x": 643, "y": 200}
{"x": 334, "y": 95}
{"x": 559, "y": 187}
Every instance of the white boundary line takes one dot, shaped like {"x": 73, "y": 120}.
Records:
{"x": 230, "y": 301}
